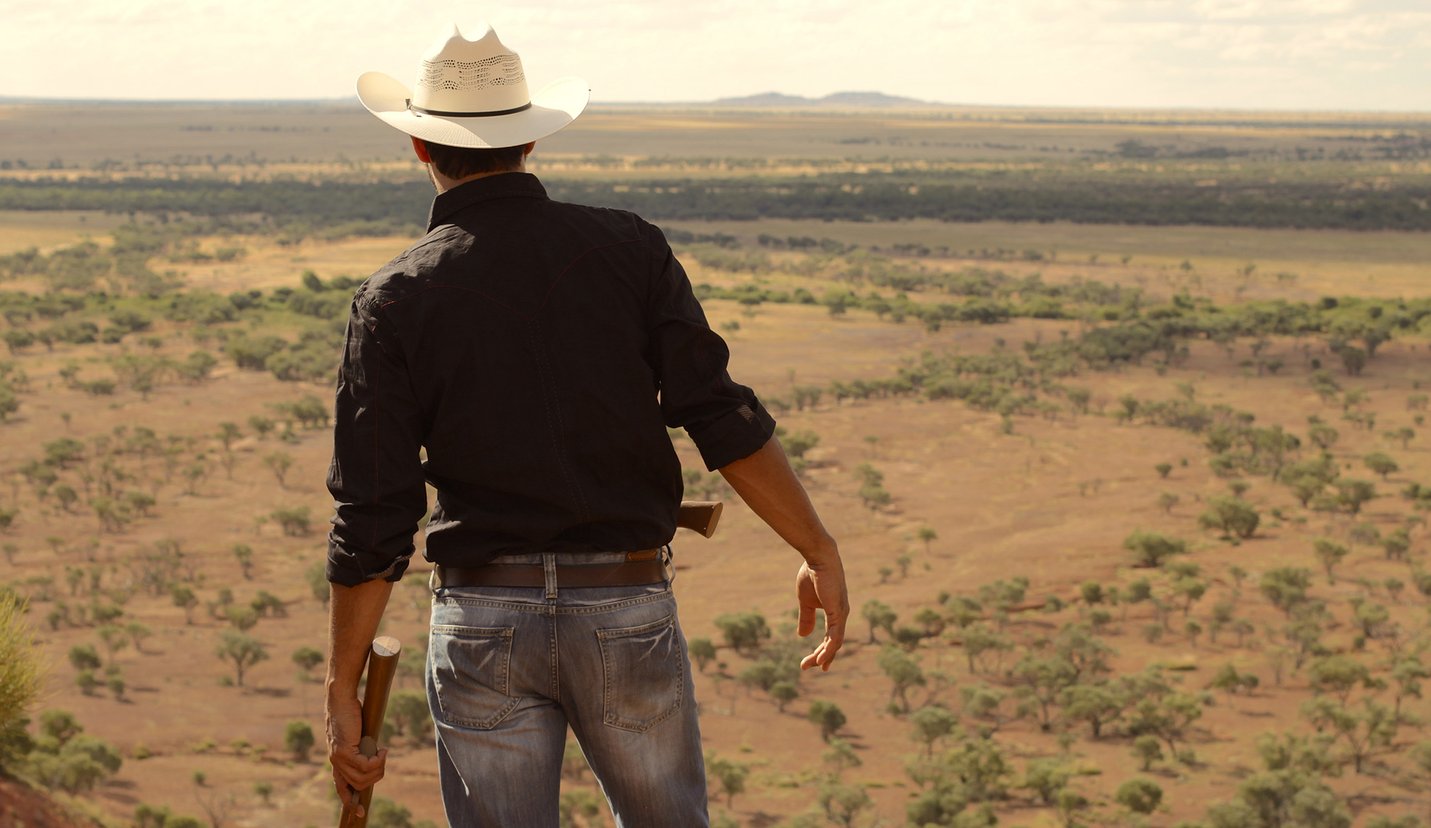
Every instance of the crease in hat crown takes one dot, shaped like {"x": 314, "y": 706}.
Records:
{"x": 470, "y": 76}
{"x": 472, "y": 93}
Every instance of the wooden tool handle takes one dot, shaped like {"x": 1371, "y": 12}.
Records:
{"x": 382, "y": 665}
{"x": 699, "y": 515}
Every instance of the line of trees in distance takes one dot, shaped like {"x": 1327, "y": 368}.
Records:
{"x": 956, "y": 196}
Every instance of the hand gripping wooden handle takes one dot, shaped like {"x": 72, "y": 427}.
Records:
{"x": 382, "y": 664}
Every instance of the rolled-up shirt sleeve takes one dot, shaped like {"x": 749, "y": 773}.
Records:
{"x": 376, "y": 474}
{"x": 723, "y": 418}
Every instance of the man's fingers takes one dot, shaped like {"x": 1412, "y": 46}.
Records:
{"x": 359, "y": 771}
{"x": 806, "y": 625}
{"x": 824, "y": 655}
{"x": 826, "y": 592}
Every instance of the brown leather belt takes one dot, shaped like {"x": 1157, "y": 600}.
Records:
{"x": 643, "y": 567}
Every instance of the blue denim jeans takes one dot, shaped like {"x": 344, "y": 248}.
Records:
{"x": 511, "y": 668}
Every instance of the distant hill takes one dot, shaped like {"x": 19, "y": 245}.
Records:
{"x": 833, "y": 100}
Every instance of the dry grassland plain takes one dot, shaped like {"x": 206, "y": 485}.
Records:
{"x": 1010, "y": 654}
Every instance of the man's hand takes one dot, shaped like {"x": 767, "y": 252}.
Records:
{"x": 823, "y": 587}
{"x": 353, "y": 616}
{"x": 352, "y": 771}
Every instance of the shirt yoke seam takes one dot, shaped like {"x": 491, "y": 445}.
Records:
{"x": 545, "y": 297}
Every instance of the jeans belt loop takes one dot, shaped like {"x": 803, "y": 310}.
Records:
{"x": 549, "y": 568}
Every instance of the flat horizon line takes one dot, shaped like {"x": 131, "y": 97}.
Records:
{"x": 815, "y": 105}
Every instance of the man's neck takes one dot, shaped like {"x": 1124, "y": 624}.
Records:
{"x": 443, "y": 183}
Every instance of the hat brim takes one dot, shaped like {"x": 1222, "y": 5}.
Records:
{"x": 555, "y": 106}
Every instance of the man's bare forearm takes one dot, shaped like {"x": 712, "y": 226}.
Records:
{"x": 768, "y": 485}
{"x": 353, "y": 616}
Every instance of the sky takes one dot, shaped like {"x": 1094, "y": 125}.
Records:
{"x": 1205, "y": 54}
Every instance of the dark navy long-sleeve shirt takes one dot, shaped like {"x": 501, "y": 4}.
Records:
{"x": 537, "y": 351}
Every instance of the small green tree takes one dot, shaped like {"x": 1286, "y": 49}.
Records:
{"x": 880, "y": 616}
{"x": 979, "y": 641}
{"x": 1148, "y": 750}
{"x": 317, "y": 577}
{"x": 1141, "y": 796}
{"x": 1097, "y": 704}
{"x": 299, "y": 740}
{"x": 1396, "y": 544}
{"x": 1286, "y": 587}
{"x": 295, "y": 522}
{"x": 242, "y": 618}
{"x": 840, "y": 756}
{"x": 84, "y": 657}
{"x": 844, "y": 803}
{"x": 1233, "y": 516}
{"x": 702, "y": 651}
{"x": 279, "y": 462}
{"x": 185, "y": 599}
{"x": 729, "y": 775}
{"x": 244, "y": 651}
{"x": 903, "y": 672}
{"x": 385, "y": 813}
{"x": 1152, "y": 549}
{"x": 1381, "y": 464}
{"x": 744, "y": 632}
{"x": 307, "y": 658}
{"x": 1353, "y": 494}
{"x": 114, "y": 639}
{"x": 931, "y": 726}
{"x": 1364, "y": 732}
{"x": 1340, "y": 676}
{"x": 784, "y": 692}
{"x": 244, "y": 555}
{"x": 410, "y": 716}
{"x": 1047, "y": 778}
{"x": 827, "y": 716}
{"x": 1329, "y": 553}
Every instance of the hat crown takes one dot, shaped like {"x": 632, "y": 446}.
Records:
{"x": 470, "y": 76}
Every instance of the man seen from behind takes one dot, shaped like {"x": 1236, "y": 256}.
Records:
{"x": 525, "y": 359}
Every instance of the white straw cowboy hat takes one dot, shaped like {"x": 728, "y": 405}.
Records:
{"x": 472, "y": 93}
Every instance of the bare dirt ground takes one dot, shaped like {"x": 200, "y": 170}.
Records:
{"x": 1050, "y": 499}
{"x": 1052, "y": 502}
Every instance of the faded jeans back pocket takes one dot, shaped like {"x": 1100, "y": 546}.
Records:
{"x": 643, "y": 674}
{"x": 471, "y": 673}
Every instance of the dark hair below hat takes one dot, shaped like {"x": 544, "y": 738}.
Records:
{"x": 460, "y": 162}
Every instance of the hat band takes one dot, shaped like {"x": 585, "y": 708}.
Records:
{"x": 442, "y": 114}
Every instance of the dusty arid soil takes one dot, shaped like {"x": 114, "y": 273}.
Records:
{"x": 1046, "y": 498}
{"x": 24, "y": 807}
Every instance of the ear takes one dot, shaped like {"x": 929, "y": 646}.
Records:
{"x": 421, "y": 149}
{"x": 528, "y": 147}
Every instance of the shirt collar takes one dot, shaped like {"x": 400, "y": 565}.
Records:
{"x": 506, "y": 185}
